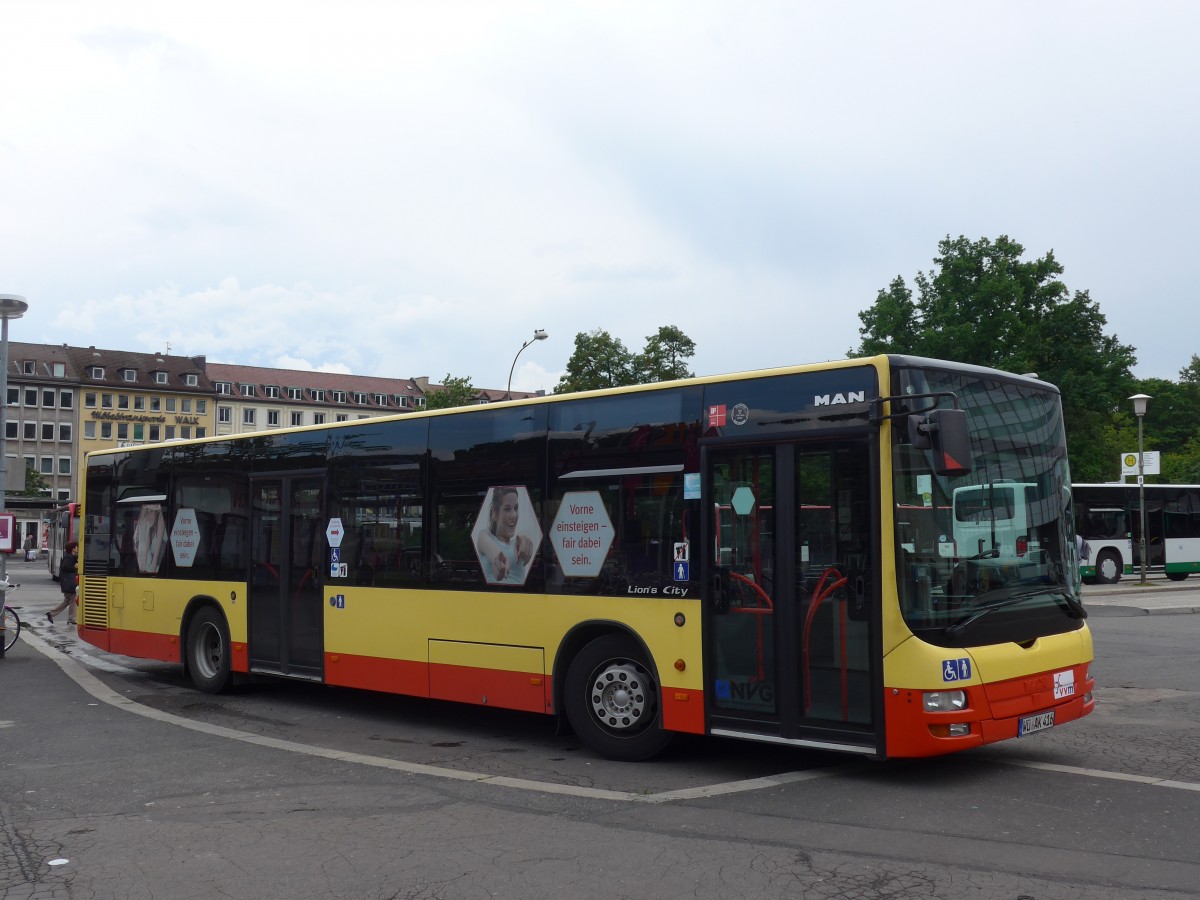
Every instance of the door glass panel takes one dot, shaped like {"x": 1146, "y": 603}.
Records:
{"x": 266, "y": 550}
{"x": 742, "y": 563}
{"x": 305, "y": 584}
{"x": 833, "y": 541}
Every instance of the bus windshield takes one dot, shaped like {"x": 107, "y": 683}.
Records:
{"x": 989, "y": 556}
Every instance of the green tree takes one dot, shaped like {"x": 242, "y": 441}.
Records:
{"x": 665, "y": 356}
{"x": 451, "y": 392}
{"x": 603, "y": 361}
{"x": 1170, "y": 425}
{"x": 598, "y": 361}
{"x": 35, "y": 484}
{"x": 984, "y": 304}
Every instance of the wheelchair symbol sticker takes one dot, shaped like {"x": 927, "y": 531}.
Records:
{"x": 956, "y": 669}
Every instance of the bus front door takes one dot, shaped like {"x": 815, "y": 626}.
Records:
{"x": 791, "y": 604}
{"x": 286, "y": 588}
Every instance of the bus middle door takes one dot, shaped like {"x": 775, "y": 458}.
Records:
{"x": 286, "y": 608}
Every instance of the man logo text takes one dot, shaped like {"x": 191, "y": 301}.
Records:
{"x": 835, "y": 399}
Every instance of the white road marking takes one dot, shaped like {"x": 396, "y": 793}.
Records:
{"x": 78, "y": 672}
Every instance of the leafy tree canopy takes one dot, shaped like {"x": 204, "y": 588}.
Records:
{"x": 984, "y": 304}
{"x": 603, "y": 361}
{"x": 665, "y": 357}
{"x": 453, "y": 392}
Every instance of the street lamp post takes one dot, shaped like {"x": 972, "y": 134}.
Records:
{"x": 11, "y": 307}
{"x": 538, "y": 335}
{"x": 1139, "y": 410}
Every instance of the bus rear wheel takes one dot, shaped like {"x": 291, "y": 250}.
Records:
{"x": 611, "y": 700}
{"x": 208, "y": 651}
{"x": 1108, "y": 567}
{"x": 1177, "y": 576}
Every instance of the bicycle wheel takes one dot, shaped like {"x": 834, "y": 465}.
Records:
{"x": 12, "y": 627}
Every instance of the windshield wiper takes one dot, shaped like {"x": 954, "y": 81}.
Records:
{"x": 1074, "y": 608}
{"x": 994, "y": 553}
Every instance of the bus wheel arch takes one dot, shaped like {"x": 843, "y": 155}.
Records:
{"x": 207, "y": 650}
{"x": 1108, "y": 567}
{"x": 610, "y": 693}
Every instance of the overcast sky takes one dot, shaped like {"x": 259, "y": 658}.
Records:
{"x": 404, "y": 189}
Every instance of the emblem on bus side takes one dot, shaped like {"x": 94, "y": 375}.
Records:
{"x": 838, "y": 399}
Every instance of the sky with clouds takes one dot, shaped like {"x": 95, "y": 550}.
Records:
{"x": 409, "y": 188}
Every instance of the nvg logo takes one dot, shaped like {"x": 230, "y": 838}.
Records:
{"x": 836, "y": 399}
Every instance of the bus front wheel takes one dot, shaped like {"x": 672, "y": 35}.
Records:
{"x": 1177, "y": 576}
{"x": 208, "y": 651}
{"x": 611, "y": 700}
{"x": 1108, "y": 567}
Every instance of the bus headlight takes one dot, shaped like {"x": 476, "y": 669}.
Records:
{"x": 944, "y": 701}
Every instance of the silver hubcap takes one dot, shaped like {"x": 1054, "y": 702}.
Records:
{"x": 619, "y": 695}
{"x": 208, "y": 651}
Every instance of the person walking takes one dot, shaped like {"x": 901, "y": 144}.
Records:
{"x": 68, "y": 571}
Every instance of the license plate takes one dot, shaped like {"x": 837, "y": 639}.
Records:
{"x": 1038, "y": 722}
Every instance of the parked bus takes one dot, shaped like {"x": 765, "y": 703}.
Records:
{"x": 718, "y": 555}
{"x": 1108, "y": 517}
{"x": 62, "y": 527}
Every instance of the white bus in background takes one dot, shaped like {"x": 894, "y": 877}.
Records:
{"x": 1108, "y": 517}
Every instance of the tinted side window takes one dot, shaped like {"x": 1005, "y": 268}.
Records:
{"x": 488, "y": 468}
{"x": 617, "y": 519}
{"x": 1181, "y": 514}
{"x": 377, "y": 489}
{"x": 97, "y": 522}
{"x": 141, "y": 526}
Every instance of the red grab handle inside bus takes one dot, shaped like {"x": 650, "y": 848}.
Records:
{"x": 820, "y": 593}
{"x": 768, "y": 606}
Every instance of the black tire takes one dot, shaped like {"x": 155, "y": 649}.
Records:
{"x": 208, "y": 651}
{"x": 1177, "y": 576}
{"x": 1108, "y": 567}
{"x": 12, "y": 626}
{"x": 611, "y": 700}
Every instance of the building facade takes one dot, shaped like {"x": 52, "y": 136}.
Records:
{"x": 126, "y": 398}
{"x": 65, "y": 402}
{"x": 253, "y": 398}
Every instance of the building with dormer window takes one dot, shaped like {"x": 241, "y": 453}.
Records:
{"x": 128, "y": 398}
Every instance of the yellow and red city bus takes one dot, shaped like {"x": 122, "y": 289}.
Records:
{"x": 717, "y": 555}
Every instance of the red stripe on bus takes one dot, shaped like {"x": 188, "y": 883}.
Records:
{"x": 683, "y": 710}
{"x": 140, "y": 644}
{"x": 395, "y": 676}
{"x": 489, "y": 687}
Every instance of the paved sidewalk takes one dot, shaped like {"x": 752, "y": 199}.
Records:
{"x": 1158, "y": 596}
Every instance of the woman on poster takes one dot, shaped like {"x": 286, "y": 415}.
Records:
{"x": 504, "y": 552}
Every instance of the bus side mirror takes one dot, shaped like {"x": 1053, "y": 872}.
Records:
{"x": 943, "y": 432}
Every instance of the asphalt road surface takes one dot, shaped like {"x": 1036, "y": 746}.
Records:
{"x": 118, "y": 780}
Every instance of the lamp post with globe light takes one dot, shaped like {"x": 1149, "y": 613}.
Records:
{"x": 11, "y": 307}
{"x": 1140, "y": 402}
{"x": 539, "y": 334}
